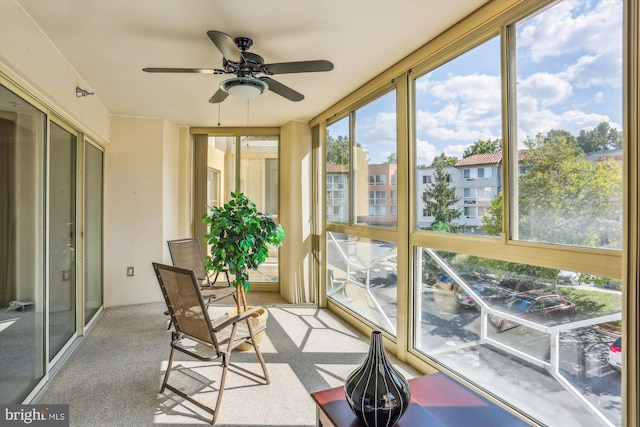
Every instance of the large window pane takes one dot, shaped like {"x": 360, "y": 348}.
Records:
{"x": 259, "y": 182}
{"x": 538, "y": 338}
{"x": 569, "y": 125}
{"x": 337, "y": 173}
{"x": 375, "y": 163}
{"x": 362, "y": 276}
{"x": 459, "y": 142}
{"x": 259, "y": 171}
{"x": 93, "y": 188}
{"x": 22, "y": 298}
{"x": 62, "y": 238}
{"x": 250, "y": 165}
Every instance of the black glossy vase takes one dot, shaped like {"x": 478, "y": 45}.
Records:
{"x": 376, "y": 392}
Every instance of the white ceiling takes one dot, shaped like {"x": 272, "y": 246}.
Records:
{"x": 108, "y": 42}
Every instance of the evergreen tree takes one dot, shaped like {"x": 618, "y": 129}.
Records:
{"x": 440, "y": 199}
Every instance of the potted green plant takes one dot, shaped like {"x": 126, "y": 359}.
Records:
{"x": 239, "y": 236}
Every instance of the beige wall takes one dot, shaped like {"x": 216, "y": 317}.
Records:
{"x": 44, "y": 72}
{"x": 141, "y": 176}
{"x": 295, "y": 212}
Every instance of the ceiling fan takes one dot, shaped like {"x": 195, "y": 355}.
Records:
{"x": 247, "y": 66}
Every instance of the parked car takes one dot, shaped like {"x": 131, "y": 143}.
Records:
{"x": 492, "y": 294}
{"x": 614, "y": 359}
{"x": 568, "y": 278}
{"x": 541, "y": 307}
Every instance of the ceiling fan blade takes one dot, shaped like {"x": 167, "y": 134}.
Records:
{"x": 298, "y": 67}
{"x": 226, "y": 45}
{"x": 184, "y": 70}
{"x": 218, "y": 97}
{"x": 282, "y": 90}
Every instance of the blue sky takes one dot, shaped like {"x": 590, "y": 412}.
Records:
{"x": 569, "y": 74}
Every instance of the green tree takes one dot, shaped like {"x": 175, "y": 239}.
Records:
{"x": 602, "y": 137}
{"x": 392, "y": 159}
{"x": 563, "y": 198}
{"x": 492, "y": 221}
{"x": 444, "y": 160}
{"x": 338, "y": 150}
{"x": 439, "y": 198}
{"x": 482, "y": 146}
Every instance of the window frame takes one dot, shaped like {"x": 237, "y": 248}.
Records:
{"x": 489, "y": 21}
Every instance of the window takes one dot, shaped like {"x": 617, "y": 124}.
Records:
{"x": 528, "y": 306}
{"x": 470, "y": 174}
{"x": 470, "y": 212}
{"x": 377, "y": 179}
{"x": 259, "y": 171}
{"x": 377, "y": 197}
{"x": 457, "y": 107}
{"x": 485, "y": 318}
{"x": 367, "y": 268}
{"x": 338, "y": 167}
{"x": 250, "y": 165}
{"x": 374, "y": 157}
{"x": 542, "y": 322}
{"x": 363, "y": 268}
{"x": 377, "y": 211}
{"x": 213, "y": 187}
{"x": 570, "y": 186}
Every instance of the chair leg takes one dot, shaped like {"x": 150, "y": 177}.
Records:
{"x": 166, "y": 374}
{"x": 225, "y": 364}
{"x": 262, "y": 363}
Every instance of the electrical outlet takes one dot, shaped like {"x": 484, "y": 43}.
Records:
{"x": 130, "y": 271}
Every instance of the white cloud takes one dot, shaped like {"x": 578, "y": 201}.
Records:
{"x": 541, "y": 121}
{"x": 456, "y": 150}
{"x": 425, "y": 152}
{"x": 469, "y": 107}
{"x": 595, "y": 70}
{"x": 566, "y": 28}
{"x": 544, "y": 88}
{"x": 378, "y": 134}
{"x": 598, "y": 97}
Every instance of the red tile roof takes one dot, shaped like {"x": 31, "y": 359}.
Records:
{"x": 484, "y": 159}
{"x": 331, "y": 168}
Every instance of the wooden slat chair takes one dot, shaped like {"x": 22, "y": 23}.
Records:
{"x": 188, "y": 310}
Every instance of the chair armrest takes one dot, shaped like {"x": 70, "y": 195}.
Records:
{"x": 217, "y": 327}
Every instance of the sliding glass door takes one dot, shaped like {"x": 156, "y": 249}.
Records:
{"x": 44, "y": 280}
{"x": 93, "y": 196}
{"x": 22, "y": 289}
{"x": 62, "y": 238}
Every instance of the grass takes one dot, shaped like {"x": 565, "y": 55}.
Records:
{"x": 592, "y": 303}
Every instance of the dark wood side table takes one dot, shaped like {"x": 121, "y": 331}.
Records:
{"x": 436, "y": 401}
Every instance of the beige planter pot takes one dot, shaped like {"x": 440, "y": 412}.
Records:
{"x": 257, "y": 321}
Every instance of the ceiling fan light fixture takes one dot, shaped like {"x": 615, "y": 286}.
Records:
{"x": 244, "y": 87}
